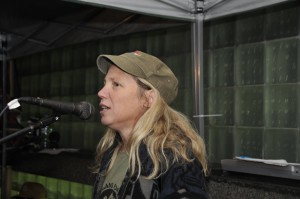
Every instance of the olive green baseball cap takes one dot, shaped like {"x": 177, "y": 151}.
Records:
{"x": 144, "y": 66}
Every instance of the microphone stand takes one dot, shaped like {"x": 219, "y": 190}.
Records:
{"x": 42, "y": 123}
{"x": 3, "y": 56}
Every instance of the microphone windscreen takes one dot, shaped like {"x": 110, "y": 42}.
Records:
{"x": 87, "y": 110}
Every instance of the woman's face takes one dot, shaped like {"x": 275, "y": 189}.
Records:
{"x": 121, "y": 103}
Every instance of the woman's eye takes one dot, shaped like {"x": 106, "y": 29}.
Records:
{"x": 116, "y": 84}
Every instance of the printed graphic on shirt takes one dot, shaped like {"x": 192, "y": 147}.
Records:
{"x": 115, "y": 177}
{"x": 109, "y": 191}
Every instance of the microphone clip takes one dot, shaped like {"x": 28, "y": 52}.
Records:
{"x": 46, "y": 121}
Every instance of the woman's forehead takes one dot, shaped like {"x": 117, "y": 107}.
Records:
{"x": 115, "y": 72}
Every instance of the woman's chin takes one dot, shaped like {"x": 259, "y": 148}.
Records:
{"x": 104, "y": 122}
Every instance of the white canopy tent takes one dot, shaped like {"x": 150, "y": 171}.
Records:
{"x": 184, "y": 9}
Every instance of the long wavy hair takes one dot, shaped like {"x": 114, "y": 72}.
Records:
{"x": 161, "y": 129}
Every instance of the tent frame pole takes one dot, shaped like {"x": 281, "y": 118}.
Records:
{"x": 197, "y": 61}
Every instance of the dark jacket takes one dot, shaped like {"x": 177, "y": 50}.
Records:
{"x": 182, "y": 180}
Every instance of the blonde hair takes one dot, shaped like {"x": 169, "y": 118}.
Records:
{"x": 160, "y": 128}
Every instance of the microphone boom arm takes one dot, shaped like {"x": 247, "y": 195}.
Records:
{"x": 40, "y": 124}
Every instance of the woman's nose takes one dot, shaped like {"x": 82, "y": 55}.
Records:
{"x": 101, "y": 92}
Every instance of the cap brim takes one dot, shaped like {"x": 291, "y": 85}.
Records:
{"x": 103, "y": 63}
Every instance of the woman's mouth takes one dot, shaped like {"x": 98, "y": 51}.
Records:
{"x": 103, "y": 108}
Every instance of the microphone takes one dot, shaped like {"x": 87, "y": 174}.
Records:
{"x": 82, "y": 109}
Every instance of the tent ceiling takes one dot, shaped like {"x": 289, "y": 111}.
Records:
{"x": 33, "y": 25}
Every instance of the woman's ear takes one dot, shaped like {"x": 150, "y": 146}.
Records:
{"x": 150, "y": 96}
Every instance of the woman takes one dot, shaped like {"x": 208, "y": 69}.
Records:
{"x": 150, "y": 150}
